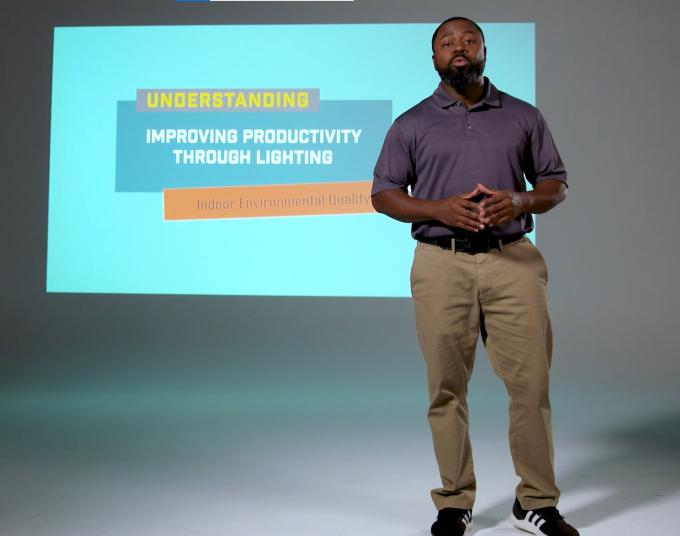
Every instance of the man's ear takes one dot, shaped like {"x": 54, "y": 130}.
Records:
{"x": 434, "y": 63}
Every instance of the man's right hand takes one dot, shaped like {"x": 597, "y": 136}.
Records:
{"x": 455, "y": 211}
{"x": 459, "y": 211}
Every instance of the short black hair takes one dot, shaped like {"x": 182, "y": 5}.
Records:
{"x": 434, "y": 35}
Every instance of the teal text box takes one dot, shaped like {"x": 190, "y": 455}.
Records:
{"x": 147, "y": 167}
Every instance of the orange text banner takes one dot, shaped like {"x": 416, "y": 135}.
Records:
{"x": 267, "y": 201}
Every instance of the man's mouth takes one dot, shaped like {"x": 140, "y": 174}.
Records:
{"x": 460, "y": 60}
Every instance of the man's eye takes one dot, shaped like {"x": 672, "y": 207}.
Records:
{"x": 446, "y": 44}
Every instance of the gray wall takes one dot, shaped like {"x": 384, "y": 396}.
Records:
{"x": 606, "y": 82}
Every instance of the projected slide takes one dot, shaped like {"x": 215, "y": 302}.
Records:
{"x": 237, "y": 160}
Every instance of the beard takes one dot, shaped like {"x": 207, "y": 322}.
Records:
{"x": 461, "y": 77}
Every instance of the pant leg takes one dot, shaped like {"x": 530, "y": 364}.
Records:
{"x": 518, "y": 338}
{"x": 445, "y": 291}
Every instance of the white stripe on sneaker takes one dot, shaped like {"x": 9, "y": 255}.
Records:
{"x": 467, "y": 521}
{"x": 530, "y": 523}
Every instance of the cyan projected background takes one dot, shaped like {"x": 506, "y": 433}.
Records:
{"x": 103, "y": 241}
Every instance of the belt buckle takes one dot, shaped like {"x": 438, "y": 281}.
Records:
{"x": 470, "y": 245}
{"x": 473, "y": 244}
{"x": 461, "y": 244}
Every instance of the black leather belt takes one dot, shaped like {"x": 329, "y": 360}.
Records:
{"x": 469, "y": 243}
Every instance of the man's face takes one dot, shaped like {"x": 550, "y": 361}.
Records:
{"x": 459, "y": 54}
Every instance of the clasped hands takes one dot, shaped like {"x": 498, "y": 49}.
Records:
{"x": 497, "y": 208}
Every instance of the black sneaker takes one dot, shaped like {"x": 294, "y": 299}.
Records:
{"x": 541, "y": 521}
{"x": 452, "y": 522}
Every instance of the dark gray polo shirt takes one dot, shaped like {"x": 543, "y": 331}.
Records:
{"x": 439, "y": 148}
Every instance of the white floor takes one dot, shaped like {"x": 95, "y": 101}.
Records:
{"x": 86, "y": 465}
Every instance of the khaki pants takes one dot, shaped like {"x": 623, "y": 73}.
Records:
{"x": 501, "y": 294}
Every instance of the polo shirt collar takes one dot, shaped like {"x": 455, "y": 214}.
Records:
{"x": 491, "y": 96}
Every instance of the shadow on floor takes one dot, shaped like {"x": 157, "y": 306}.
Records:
{"x": 641, "y": 466}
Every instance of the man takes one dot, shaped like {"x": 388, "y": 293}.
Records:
{"x": 464, "y": 153}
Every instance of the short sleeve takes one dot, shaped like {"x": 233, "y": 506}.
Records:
{"x": 542, "y": 159}
{"x": 395, "y": 166}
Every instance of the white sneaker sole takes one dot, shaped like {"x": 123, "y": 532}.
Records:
{"x": 521, "y": 524}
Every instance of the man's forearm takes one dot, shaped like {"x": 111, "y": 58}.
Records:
{"x": 399, "y": 205}
{"x": 546, "y": 195}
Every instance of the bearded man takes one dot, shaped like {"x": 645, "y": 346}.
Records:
{"x": 454, "y": 166}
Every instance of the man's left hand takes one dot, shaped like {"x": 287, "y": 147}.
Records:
{"x": 500, "y": 206}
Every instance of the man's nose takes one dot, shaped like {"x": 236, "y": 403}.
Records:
{"x": 458, "y": 46}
